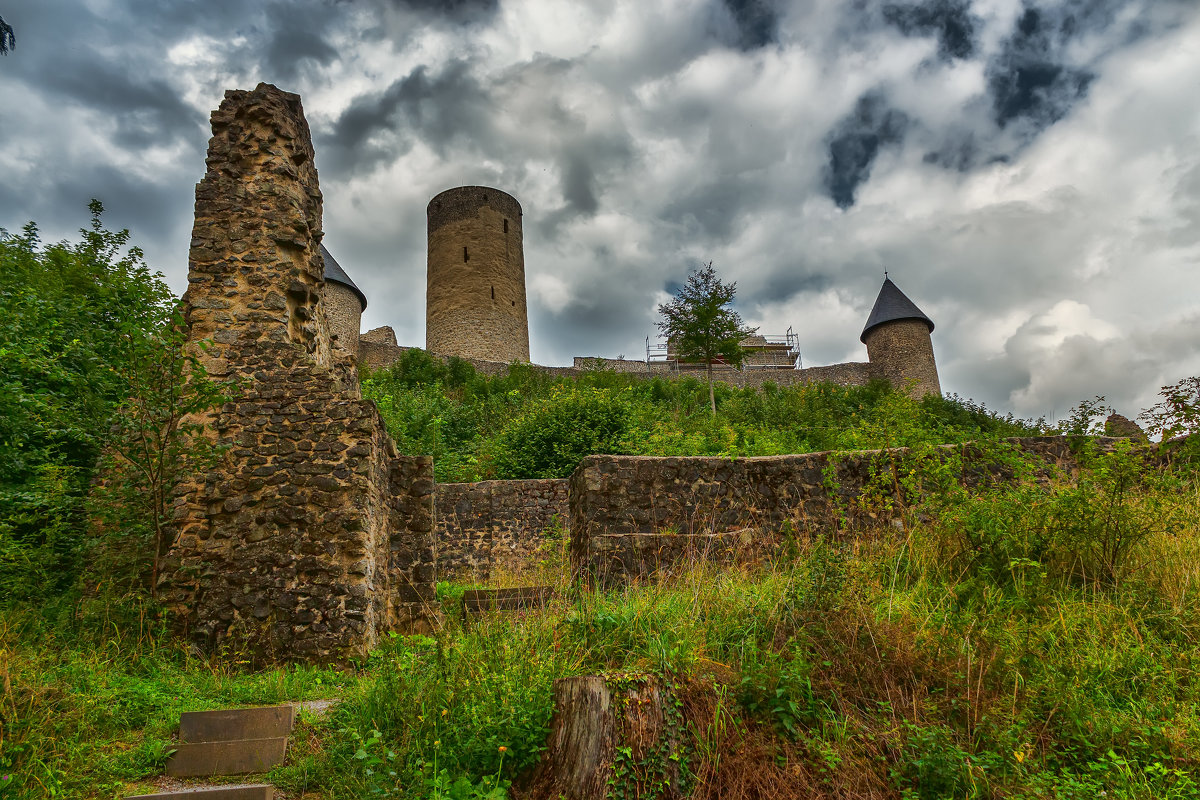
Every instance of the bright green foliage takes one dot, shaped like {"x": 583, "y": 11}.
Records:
{"x": 701, "y": 327}
{"x": 549, "y": 440}
{"x": 894, "y": 665}
{"x": 525, "y": 424}
{"x": 90, "y": 359}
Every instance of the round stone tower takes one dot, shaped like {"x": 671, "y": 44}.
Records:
{"x": 344, "y": 304}
{"x": 475, "y": 292}
{"x": 898, "y": 343}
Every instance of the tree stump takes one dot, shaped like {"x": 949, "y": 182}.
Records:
{"x": 619, "y": 737}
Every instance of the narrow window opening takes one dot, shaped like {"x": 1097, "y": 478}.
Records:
{"x": 506, "y": 226}
{"x": 485, "y": 198}
{"x": 466, "y": 257}
{"x": 493, "y": 292}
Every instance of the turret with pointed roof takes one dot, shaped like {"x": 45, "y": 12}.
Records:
{"x": 898, "y": 342}
{"x": 344, "y": 304}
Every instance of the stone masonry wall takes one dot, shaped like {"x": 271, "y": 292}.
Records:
{"x": 381, "y": 354}
{"x": 634, "y": 516}
{"x": 481, "y": 526}
{"x": 344, "y": 312}
{"x": 309, "y": 536}
{"x": 475, "y": 304}
{"x": 903, "y": 353}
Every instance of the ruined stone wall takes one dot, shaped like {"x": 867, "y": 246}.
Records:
{"x": 634, "y": 516}
{"x": 475, "y": 296}
{"x": 309, "y": 535}
{"x": 496, "y": 524}
{"x": 344, "y": 312}
{"x": 378, "y": 355}
{"x": 902, "y": 351}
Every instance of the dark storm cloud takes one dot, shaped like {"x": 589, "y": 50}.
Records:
{"x": 951, "y": 21}
{"x": 714, "y": 210}
{"x": 145, "y": 109}
{"x": 756, "y": 22}
{"x": 1031, "y": 80}
{"x": 455, "y": 10}
{"x": 855, "y": 142}
{"x": 789, "y": 278}
{"x": 438, "y": 109}
{"x": 578, "y": 184}
{"x": 298, "y": 40}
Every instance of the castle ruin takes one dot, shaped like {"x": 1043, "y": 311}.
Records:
{"x": 310, "y": 536}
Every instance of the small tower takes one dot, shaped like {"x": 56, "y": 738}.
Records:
{"x": 475, "y": 292}
{"x": 898, "y": 342}
{"x": 344, "y": 304}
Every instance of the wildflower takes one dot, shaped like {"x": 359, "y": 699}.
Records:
{"x": 502, "y": 749}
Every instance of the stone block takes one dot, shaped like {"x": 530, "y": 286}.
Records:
{"x": 476, "y": 601}
{"x": 242, "y": 791}
{"x": 203, "y": 759}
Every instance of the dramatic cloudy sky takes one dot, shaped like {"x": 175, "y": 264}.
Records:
{"x": 1027, "y": 170}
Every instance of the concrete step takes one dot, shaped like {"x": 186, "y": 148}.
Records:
{"x": 226, "y": 725}
{"x": 242, "y": 791}
{"x": 202, "y": 759}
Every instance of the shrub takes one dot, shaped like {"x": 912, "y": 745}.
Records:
{"x": 549, "y": 440}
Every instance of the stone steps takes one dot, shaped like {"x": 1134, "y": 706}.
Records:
{"x": 228, "y": 742}
{"x": 480, "y": 601}
{"x": 241, "y": 791}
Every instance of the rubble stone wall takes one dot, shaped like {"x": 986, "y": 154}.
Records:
{"x": 634, "y": 516}
{"x": 309, "y": 535}
{"x": 490, "y": 524}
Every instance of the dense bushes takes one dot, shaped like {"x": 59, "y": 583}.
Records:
{"x": 91, "y": 365}
{"x": 526, "y": 424}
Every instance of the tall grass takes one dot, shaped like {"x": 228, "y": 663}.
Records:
{"x": 928, "y": 662}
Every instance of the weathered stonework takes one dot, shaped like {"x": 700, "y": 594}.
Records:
{"x": 636, "y": 516}
{"x": 310, "y": 536}
{"x": 475, "y": 296}
{"x": 902, "y": 351}
{"x": 344, "y": 312}
{"x": 495, "y": 524}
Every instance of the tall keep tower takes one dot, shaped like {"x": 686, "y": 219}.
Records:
{"x": 475, "y": 292}
{"x": 898, "y": 342}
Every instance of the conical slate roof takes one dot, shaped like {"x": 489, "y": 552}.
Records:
{"x": 892, "y": 305}
{"x": 335, "y": 273}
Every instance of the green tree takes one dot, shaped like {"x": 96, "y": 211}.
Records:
{"x": 90, "y": 355}
{"x": 8, "y": 39}
{"x": 701, "y": 326}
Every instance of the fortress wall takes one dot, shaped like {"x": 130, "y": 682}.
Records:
{"x": 379, "y": 355}
{"x": 490, "y": 524}
{"x": 308, "y": 535}
{"x": 634, "y": 516}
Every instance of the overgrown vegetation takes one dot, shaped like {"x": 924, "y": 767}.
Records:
{"x": 1031, "y": 637}
{"x": 526, "y": 424}
{"x": 91, "y": 365}
{"x": 1001, "y": 648}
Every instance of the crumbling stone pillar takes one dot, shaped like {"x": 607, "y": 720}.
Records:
{"x": 310, "y": 536}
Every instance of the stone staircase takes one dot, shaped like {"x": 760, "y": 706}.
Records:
{"x": 228, "y": 742}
